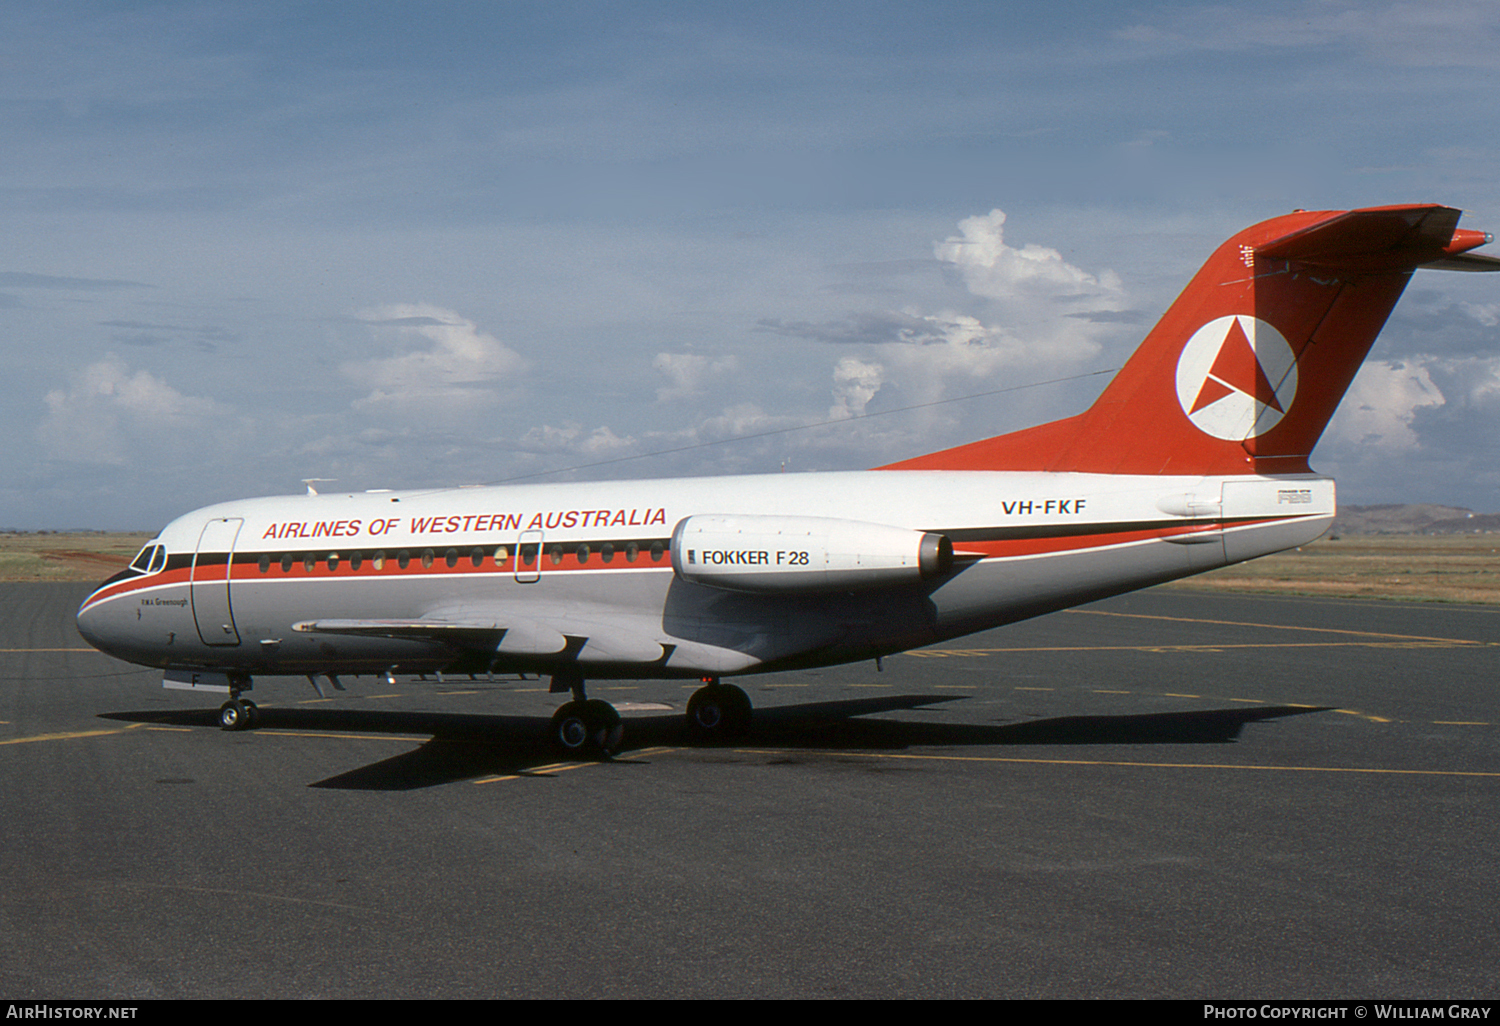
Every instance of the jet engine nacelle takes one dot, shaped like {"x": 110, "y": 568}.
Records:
{"x": 771, "y": 554}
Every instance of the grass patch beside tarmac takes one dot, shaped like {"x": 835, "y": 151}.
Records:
{"x": 66, "y": 556}
{"x": 1408, "y": 567}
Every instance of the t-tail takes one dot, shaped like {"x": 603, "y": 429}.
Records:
{"x": 1246, "y": 368}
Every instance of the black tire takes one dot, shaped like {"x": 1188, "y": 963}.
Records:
{"x": 232, "y": 715}
{"x": 606, "y": 729}
{"x": 705, "y": 713}
{"x": 590, "y": 730}
{"x": 719, "y": 712}
{"x": 570, "y": 729}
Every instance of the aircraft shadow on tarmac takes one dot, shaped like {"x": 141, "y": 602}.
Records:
{"x": 467, "y": 746}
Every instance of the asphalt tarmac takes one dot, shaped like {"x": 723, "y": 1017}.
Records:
{"x": 1161, "y": 795}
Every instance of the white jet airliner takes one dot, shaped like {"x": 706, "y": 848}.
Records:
{"x": 1195, "y": 456}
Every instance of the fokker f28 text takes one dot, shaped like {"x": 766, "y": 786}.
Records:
{"x": 1196, "y": 455}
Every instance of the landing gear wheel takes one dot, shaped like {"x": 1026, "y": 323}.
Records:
{"x": 570, "y": 731}
{"x": 719, "y": 712}
{"x": 234, "y": 716}
{"x": 608, "y": 730}
{"x": 590, "y": 729}
{"x": 252, "y": 714}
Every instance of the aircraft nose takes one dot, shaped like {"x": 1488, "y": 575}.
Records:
{"x": 93, "y": 623}
{"x": 88, "y": 623}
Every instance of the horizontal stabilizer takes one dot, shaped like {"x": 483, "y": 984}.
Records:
{"x": 1465, "y": 262}
{"x": 1380, "y": 238}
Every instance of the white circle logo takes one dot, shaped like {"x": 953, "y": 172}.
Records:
{"x": 1236, "y": 377}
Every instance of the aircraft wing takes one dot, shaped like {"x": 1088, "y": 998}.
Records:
{"x": 591, "y": 642}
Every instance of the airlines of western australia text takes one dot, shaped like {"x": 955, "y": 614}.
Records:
{"x": 468, "y": 523}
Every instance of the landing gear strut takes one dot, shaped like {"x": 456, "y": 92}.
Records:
{"x": 239, "y": 713}
{"x": 718, "y": 711}
{"x": 585, "y": 726}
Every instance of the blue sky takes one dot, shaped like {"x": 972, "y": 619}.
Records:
{"x": 418, "y": 244}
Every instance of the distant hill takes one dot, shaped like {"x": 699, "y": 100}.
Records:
{"x": 1413, "y": 518}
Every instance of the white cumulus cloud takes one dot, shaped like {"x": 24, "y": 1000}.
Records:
{"x": 571, "y": 438}
{"x": 448, "y": 361}
{"x": 1378, "y": 410}
{"x": 1487, "y": 314}
{"x": 992, "y": 268}
{"x": 689, "y": 374}
{"x": 855, "y": 383}
{"x": 109, "y": 414}
{"x": 1032, "y": 312}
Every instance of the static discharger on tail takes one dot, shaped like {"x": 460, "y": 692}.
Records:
{"x": 1195, "y": 456}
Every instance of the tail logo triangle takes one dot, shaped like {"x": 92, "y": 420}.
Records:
{"x": 1236, "y": 377}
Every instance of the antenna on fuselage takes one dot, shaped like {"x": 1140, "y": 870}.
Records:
{"x": 310, "y": 481}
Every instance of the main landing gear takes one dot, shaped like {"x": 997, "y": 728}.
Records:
{"x": 718, "y": 711}
{"x": 584, "y": 727}
{"x": 238, "y": 713}
{"x": 589, "y": 728}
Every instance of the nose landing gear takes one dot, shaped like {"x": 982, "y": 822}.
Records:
{"x": 239, "y": 713}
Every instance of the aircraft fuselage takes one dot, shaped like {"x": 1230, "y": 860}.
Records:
{"x": 585, "y": 572}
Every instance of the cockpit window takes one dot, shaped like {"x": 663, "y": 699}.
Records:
{"x": 150, "y": 559}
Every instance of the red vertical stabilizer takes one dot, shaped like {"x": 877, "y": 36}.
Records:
{"x": 1243, "y": 372}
